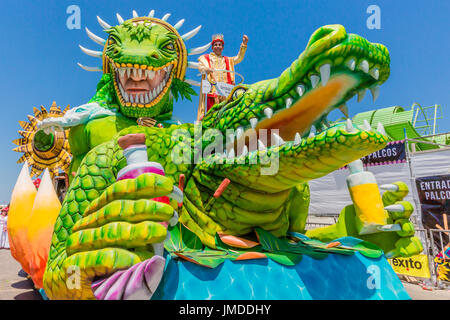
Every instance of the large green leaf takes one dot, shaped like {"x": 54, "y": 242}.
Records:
{"x": 285, "y": 258}
{"x": 182, "y": 239}
{"x": 369, "y": 249}
{"x": 209, "y": 258}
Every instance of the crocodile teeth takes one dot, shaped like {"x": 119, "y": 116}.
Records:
{"x": 297, "y": 139}
{"x": 268, "y": 112}
{"x": 131, "y": 98}
{"x": 128, "y": 72}
{"x": 349, "y": 126}
{"x": 351, "y": 64}
{"x": 314, "y": 80}
{"x": 278, "y": 140}
{"x": 122, "y": 72}
{"x": 231, "y": 154}
{"x": 325, "y": 71}
{"x": 380, "y": 129}
{"x": 361, "y": 94}
{"x": 244, "y": 151}
{"x": 366, "y": 125}
{"x": 311, "y": 135}
{"x": 344, "y": 110}
{"x": 253, "y": 122}
{"x": 375, "y": 73}
{"x": 300, "y": 89}
{"x": 288, "y": 103}
{"x": 239, "y": 132}
{"x": 375, "y": 92}
{"x": 261, "y": 145}
{"x": 364, "y": 66}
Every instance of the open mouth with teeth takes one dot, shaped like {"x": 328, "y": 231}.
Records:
{"x": 303, "y": 109}
{"x": 141, "y": 85}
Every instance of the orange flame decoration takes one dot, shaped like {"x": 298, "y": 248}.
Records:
{"x": 31, "y": 221}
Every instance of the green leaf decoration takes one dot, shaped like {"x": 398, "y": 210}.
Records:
{"x": 182, "y": 89}
{"x": 182, "y": 239}
{"x": 271, "y": 243}
{"x": 208, "y": 257}
{"x": 285, "y": 258}
{"x": 369, "y": 249}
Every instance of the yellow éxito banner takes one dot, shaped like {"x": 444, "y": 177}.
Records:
{"x": 415, "y": 266}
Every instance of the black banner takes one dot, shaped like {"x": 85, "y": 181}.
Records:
{"x": 394, "y": 152}
{"x": 434, "y": 196}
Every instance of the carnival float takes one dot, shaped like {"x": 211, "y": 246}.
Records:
{"x": 215, "y": 209}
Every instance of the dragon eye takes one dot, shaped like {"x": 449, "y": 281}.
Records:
{"x": 238, "y": 93}
{"x": 169, "y": 46}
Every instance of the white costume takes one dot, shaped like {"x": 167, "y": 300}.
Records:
{"x": 4, "y": 243}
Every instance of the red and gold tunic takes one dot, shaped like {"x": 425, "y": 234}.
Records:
{"x": 211, "y": 60}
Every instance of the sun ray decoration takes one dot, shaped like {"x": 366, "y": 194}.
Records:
{"x": 57, "y": 156}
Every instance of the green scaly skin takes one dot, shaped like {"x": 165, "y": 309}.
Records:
{"x": 105, "y": 226}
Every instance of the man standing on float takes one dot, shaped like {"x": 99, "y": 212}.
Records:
{"x": 215, "y": 61}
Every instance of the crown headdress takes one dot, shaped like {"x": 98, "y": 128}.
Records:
{"x": 217, "y": 37}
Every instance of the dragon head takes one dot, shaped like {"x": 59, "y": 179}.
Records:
{"x": 145, "y": 60}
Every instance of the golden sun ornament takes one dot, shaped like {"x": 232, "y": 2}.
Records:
{"x": 41, "y": 150}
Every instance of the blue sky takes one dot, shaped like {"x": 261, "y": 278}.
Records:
{"x": 39, "y": 53}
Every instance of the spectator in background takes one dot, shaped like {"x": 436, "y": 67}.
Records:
{"x": 4, "y": 243}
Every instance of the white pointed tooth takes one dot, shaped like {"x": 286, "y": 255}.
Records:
{"x": 375, "y": 92}
{"x": 151, "y": 14}
{"x": 139, "y": 72}
{"x": 135, "y": 14}
{"x": 297, "y": 139}
{"x": 92, "y": 53}
{"x": 239, "y": 132}
{"x": 131, "y": 98}
{"x": 375, "y": 73}
{"x": 151, "y": 74}
{"x": 119, "y": 18}
{"x": 93, "y": 69}
{"x": 278, "y": 140}
{"x": 155, "y": 94}
{"x": 147, "y": 100}
{"x": 349, "y": 126}
{"x": 314, "y": 80}
{"x": 361, "y": 94}
{"x": 268, "y": 112}
{"x": 351, "y": 64}
{"x": 364, "y": 66}
{"x": 191, "y": 33}
{"x": 128, "y": 72}
{"x": 95, "y": 38}
{"x": 142, "y": 98}
{"x": 166, "y": 16}
{"x": 244, "y": 151}
{"x": 198, "y": 50}
{"x": 300, "y": 89}
{"x": 193, "y": 65}
{"x": 135, "y": 71}
{"x": 150, "y": 95}
{"x": 179, "y": 24}
{"x": 253, "y": 122}
{"x": 102, "y": 23}
{"x": 325, "y": 71}
{"x": 261, "y": 145}
{"x": 380, "y": 129}
{"x": 288, "y": 102}
{"x": 121, "y": 72}
{"x": 126, "y": 97}
{"x": 366, "y": 125}
{"x": 231, "y": 153}
{"x": 344, "y": 110}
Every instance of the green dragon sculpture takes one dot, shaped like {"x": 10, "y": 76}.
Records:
{"x": 107, "y": 225}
